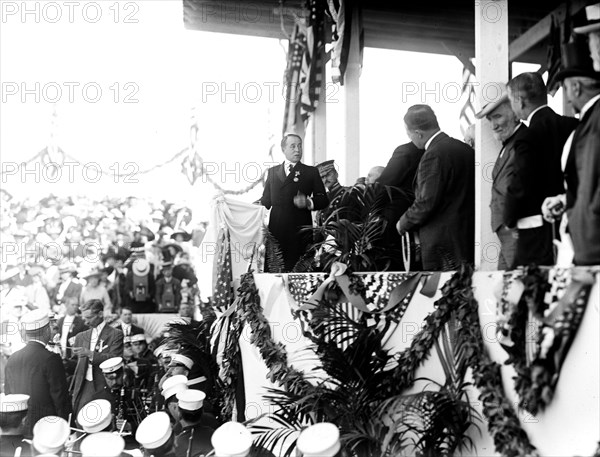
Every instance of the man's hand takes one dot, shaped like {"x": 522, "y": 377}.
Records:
{"x": 400, "y": 231}
{"x": 82, "y": 352}
{"x": 300, "y": 201}
{"x": 553, "y": 208}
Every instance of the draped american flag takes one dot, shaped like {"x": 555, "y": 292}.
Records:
{"x": 292, "y": 118}
{"x": 467, "y": 112}
{"x": 304, "y": 70}
{"x": 223, "y": 294}
{"x": 312, "y": 61}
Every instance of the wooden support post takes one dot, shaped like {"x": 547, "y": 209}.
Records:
{"x": 319, "y": 124}
{"x": 350, "y": 96}
{"x": 491, "y": 61}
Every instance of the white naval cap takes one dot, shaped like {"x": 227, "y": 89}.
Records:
{"x": 13, "y": 403}
{"x": 102, "y": 444}
{"x": 154, "y": 430}
{"x": 50, "y": 434}
{"x": 180, "y": 359}
{"x": 191, "y": 399}
{"x": 95, "y": 416}
{"x": 111, "y": 365}
{"x": 137, "y": 337}
{"x": 231, "y": 439}
{"x": 173, "y": 385}
{"x": 319, "y": 440}
{"x": 35, "y": 320}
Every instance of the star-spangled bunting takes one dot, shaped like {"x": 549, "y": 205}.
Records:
{"x": 292, "y": 121}
{"x": 223, "y": 293}
{"x": 467, "y": 112}
{"x": 312, "y": 61}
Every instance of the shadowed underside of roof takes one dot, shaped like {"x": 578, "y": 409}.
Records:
{"x": 435, "y": 27}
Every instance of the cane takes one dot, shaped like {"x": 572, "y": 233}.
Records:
{"x": 406, "y": 251}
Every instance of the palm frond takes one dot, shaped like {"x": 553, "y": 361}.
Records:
{"x": 273, "y": 254}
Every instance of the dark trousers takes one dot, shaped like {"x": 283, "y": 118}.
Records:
{"x": 535, "y": 246}
{"x": 509, "y": 239}
{"x": 88, "y": 390}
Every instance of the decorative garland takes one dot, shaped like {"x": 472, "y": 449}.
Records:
{"x": 231, "y": 364}
{"x": 457, "y": 296}
{"x": 503, "y": 424}
{"x": 537, "y": 374}
{"x": 274, "y": 354}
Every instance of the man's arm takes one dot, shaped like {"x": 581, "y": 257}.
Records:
{"x": 57, "y": 384}
{"x": 429, "y": 192}
{"x": 520, "y": 181}
{"x": 319, "y": 197}
{"x": 114, "y": 348}
{"x": 265, "y": 200}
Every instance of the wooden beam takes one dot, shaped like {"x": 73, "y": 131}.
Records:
{"x": 491, "y": 59}
{"x": 541, "y": 30}
{"x": 460, "y": 54}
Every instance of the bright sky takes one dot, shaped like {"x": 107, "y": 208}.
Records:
{"x": 152, "y": 73}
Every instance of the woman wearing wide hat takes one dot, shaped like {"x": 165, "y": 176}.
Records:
{"x": 95, "y": 290}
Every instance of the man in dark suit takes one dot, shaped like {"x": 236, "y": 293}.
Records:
{"x": 507, "y": 129}
{"x": 37, "y": 372}
{"x": 537, "y": 170}
{"x": 399, "y": 176}
{"x": 443, "y": 212}
{"x": 92, "y": 347}
{"x": 126, "y": 325}
{"x": 292, "y": 191}
{"x": 582, "y": 171}
{"x": 68, "y": 326}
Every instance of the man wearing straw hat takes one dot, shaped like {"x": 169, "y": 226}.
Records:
{"x": 37, "y": 372}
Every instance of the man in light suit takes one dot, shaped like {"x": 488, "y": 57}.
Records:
{"x": 37, "y": 372}
{"x": 92, "y": 347}
{"x": 507, "y": 129}
{"x": 292, "y": 191}
{"x": 443, "y": 212}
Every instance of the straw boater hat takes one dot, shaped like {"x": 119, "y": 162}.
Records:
{"x": 319, "y": 440}
{"x": 492, "y": 105}
{"x": 231, "y": 439}
{"x": 50, "y": 434}
{"x": 154, "y": 431}
{"x": 592, "y": 14}
{"x": 102, "y": 444}
{"x": 95, "y": 416}
{"x": 174, "y": 385}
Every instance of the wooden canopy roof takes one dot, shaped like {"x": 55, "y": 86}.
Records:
{"x": 421, "y": 26}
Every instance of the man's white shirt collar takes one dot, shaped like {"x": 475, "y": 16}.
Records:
{"x": 286, "y": 166}
{"x": 528, "y": 120}
{"x": 431, "y": 139}
{"x": 588, "y": 105}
